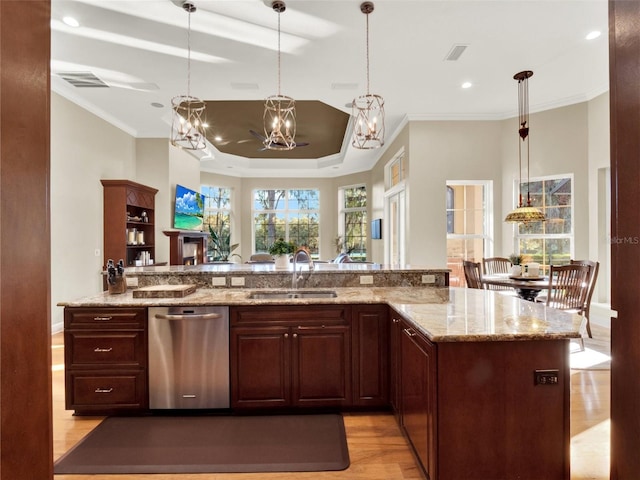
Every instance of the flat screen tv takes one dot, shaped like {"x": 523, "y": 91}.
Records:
{"x": 189, "y": 209}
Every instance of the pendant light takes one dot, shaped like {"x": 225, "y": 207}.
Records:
{"x": 187, "y": 127}
{"x": 368, "y": 110}
{"x": 279, "y": 116}
{"x": 524, "y": 214}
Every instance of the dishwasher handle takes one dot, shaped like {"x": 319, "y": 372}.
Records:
{"x": 188, "y": 316}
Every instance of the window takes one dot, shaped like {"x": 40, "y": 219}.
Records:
{"x": 394, "y": 171}
{"x": 217, "y": 221}
{"x": 290, "y": 214}
{"x": 468, "y": 225}
{"x": 353, "y": 222}
{"x": 550, "y": 242}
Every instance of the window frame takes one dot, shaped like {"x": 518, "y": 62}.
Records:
{"x": 343, "y": 210}
{"x": 517, "y": 235}
{"x": 285, "y": 212}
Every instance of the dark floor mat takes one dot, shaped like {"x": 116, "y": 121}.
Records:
{"x": 209, "y": 444}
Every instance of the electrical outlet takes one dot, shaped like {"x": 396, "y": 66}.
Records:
{"x": 545, "y": 377}
{"x": 237, "y": 281}
{"x": 219, "y": 281}
{"x": 428, "y": 279}
{"x": 366, "y": 279}
{"x": 96, "y": 252}
{"x": 132, "y": 281}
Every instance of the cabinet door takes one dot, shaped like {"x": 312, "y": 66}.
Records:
{"x": 321, "y": 365}
{"x": 260, "y": 367}
{"x": 418, "y": 396}
{"x": 395, "y": 332}
{"x": 370, "y": 331}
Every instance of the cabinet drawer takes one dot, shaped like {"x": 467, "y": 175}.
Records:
{"x": 86, "y": 348}
{"x": 89, "y": 389}
{"x": 130, "y": 318}
{"x": 288, "y": 315}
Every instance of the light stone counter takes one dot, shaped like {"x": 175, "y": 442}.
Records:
{"x": 442, "y": 314}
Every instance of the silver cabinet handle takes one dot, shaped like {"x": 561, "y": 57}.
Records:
{"x": 102, "y": 350}
{"x": 396, "y": 320}
{"x": 286, "y": 335}
{"x": 102, "y": 319}
{"x": 409, "y": 332}
{"x": 203, "y": 316}
{"x": 300, "y": 327}
{"x": 295, "y": 335}
{"x": 103, "y": 390}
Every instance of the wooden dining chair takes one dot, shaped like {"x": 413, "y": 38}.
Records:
{"x": 472, "y": 274}
{"x": 568, "y": 289}
{"x": 593, "y": 277}
{"x": 493, "y": 265}
{"x": 496, "y": 265}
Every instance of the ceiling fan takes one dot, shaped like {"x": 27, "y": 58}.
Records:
{"x": 263, "y": 139}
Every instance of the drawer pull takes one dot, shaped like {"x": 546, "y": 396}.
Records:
{"x": 409, "y": 332}
{"x": 396, "y": 320}
{"x": 102, "y": 319}
{"x": 286, "y": 335}
{"x": 103, "y": 390}
{"x": 102, "y": 350}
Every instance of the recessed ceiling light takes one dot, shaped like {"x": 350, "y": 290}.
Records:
{"x": 157, "y": 105}
{"x": 217, "y": 138}
{"x": 593, "y": 35}
{"x": 467, "y": 85}
{"x": 72, "y": 22}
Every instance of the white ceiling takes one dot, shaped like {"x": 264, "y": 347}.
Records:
{"x": 139, "y": 48}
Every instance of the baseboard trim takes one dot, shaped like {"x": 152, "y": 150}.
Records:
{"x": 601, "y": 314}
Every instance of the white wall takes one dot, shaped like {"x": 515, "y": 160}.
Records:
{"x": 442, "y": 151}
{"x": 84, "y": 149}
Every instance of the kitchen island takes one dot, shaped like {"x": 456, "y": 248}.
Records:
{"x": 479, "y": 381}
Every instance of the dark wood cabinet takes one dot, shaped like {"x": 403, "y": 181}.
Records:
{"x": 395, "y": 332}
{"x": 418, "y": 395}
{"x": 105, "y": 359}
{"x": 129, "y": 221}
{"x": 370, "y": 345}
{"x": 473, "y": 409}
{"x": 290, "y": 356}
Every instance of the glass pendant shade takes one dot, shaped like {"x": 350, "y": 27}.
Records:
{"x": 368, "y": 112}
{"x": 187, "y": 126}
{"x": 525, "y": 215}
{"x": 279, "y": 122}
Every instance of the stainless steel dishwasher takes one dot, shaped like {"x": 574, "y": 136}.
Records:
{"x": 188, "y": 357}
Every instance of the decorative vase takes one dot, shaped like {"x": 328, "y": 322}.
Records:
{"x": 282, "y": 262}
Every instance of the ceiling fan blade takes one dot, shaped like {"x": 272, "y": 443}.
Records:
{"x": 257, "y": 135}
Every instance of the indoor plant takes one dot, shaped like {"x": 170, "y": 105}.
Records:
{"x": 281, "y": 249}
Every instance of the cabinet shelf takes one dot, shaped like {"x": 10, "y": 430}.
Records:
{"x": 124, "y": 199}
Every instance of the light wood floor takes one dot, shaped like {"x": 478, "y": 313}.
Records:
{"x": 377, "y": 449}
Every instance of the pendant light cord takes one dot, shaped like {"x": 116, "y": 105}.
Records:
{"x": 367, "y": 15}
{"x": 279, "y": 54}
{"x": 189, "y": 56}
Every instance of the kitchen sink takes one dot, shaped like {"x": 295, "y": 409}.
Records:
{"x": 284, "y": 294}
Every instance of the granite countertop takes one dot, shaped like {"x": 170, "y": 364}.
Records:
{"x": 441, "y": 314}
{"x": 270, "y": 267}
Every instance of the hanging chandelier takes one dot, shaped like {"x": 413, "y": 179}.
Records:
{"x": 368, "y": 110}
{"x": 187, "y": 126}
{"x": 279, "y": 116}
{"x": 524, "y": 213}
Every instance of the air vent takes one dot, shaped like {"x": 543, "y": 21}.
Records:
{"x": 344, "y": 86}
{"x": 244, "y": 86}
{"x": 455, "y": 52}
{"x": 83, "y": 79}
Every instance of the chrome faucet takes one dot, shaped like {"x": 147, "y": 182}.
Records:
{"x": 295, "y": 278}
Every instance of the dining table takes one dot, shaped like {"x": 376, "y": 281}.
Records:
{"x": 526, "y": 288}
